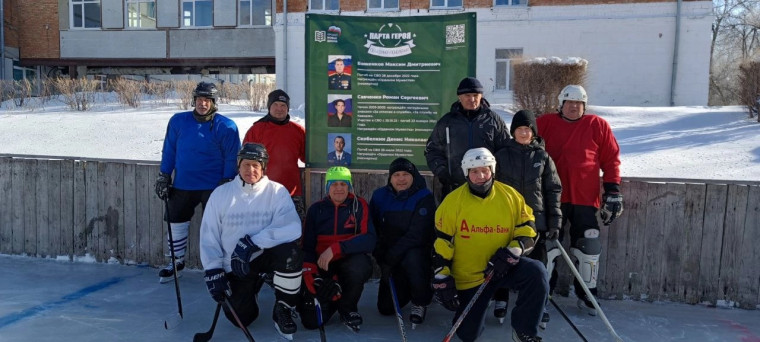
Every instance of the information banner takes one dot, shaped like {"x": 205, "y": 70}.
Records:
{"x": 375, "y": 86}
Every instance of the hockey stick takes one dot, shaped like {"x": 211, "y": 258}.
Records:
{"x": 206, "y": 336}
{"x": 322, "y": 336}
{"x": 468, "y": 307}
{"x": 173, "y": 322}
{"x": 396, "y": 306}
{"x": 586, "y": 290}
{"x": 237, "y": 319}
{"x": 568, "y": 320}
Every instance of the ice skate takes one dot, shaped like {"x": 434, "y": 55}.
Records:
{"x": 585, "y": 304}
{"x": 418, "y": 315}
{"x": 167, "y": 273}
{"x": 520, "y": 337}
{"x": 283, "y": 320}
{"x": 353, "y": 320}
{"x": 544, "y": 320}
{"x": 500, "y": 311}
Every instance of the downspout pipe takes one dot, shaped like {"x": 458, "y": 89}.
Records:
{"x": 2, "y": 40}
{"x": 676, "y": 44}
{"x": 285, "y": 46}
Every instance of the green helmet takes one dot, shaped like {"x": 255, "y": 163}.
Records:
{"x": 337, "y": 173}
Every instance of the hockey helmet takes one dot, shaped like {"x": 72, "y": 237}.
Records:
{"x": 478, "y": 157}
{"x": 254, "y": 151}
{"x": 337, "y": 173}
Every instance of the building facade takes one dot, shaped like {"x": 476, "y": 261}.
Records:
{"x": 640, "y": 52}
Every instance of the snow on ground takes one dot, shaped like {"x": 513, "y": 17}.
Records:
{"x": 656, "y": 142}
{"x": 47, "y": 300}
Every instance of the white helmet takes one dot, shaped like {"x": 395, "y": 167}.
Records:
{"x": 478, "y": 157}
{"x": 573, "y": 92}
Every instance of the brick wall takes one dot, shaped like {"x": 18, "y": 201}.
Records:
{"x": 11, "y": 23}
{"x": 38, "y": 34}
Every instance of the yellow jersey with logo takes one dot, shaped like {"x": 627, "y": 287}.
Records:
{"x": 477, "y": 227}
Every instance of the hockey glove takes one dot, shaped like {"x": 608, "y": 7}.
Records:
{"x": 245, "y": 252}
{"x": 612, "y": 205}
{"x": 551, "y": 234}
{"x": 316, "y": 285}
{"x": 163, "y": 183}
{"x": 327, "y": 289}
{"x": 501, "y": 262}
{"x": 446, "y": 292}
{"x": 217, "y": 284}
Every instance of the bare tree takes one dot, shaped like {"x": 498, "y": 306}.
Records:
{"x": 735, "y": 38}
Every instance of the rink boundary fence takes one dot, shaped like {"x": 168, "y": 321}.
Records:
{"x": 690, "y": 241}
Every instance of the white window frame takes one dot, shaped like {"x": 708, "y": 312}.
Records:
{"x": 194, "y": 14}
{"x": 446, "y": 4}
{"x": 323, "y": 7}
{"x": 139, "y": 18}
{"x": 252, "y": 8}
{"x": 382, "y": 7}
{"x": 511, "y": 3}
{"x": 505, "y": 55}
{"x": 83, "y": 4}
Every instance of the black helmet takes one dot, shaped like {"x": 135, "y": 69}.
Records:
{"x": 254, "y": 151}
{"x": 205, "y": 89}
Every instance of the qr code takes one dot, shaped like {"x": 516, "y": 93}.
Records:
{"x": 454, "y": 34}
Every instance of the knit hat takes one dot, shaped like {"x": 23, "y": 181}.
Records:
{"x": 337, "y": 173}
{"x": 523, "y": 118}
{"x": 278, "y": 95}
{"x": 469, "y": 85}
{"x": 401, "y": 164}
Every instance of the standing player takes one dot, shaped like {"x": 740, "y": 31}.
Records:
{"x": 582, "y": 145}
{"x": 200, "y": 148}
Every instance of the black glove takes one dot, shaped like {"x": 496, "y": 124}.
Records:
{"x": 551, "y": 234}
{"x": 446, "y": 292}
{"x": 501, "y": 262}
{"x": 612, "y": 203}
{"x": 163, "y": 183}
{"x": 245, "y": 252}
{"x": 327, "y": 289}
{"x": 217, "y": 284}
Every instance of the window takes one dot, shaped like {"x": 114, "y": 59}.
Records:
{"x": 324, "y": 5}
{"x": 22, "y": 73}
{"x": 197, "y": 13}
{"x": 440, "y": 4}
{"x": 510, "y": 2}
{"x": 141, "y": 13}
{"x": 255, "y": 12}
{"x": 85, "y": 13}
{"x": 382, "y": 5}
{"x": 504, "y": 70}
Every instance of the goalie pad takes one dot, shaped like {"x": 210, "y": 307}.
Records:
{"x": 587, "y": 253}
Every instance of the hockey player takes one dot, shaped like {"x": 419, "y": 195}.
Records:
{"x": 338, "y": 237}
{"x": 581, "y": 145}
{"x": 524, "y": 165}
{"x": 485, "y": 226}
{"x": 469, "y": 124}
{"x": 251, "y": 227}
{"x": 403, "y": 213}
{"x": 278, "y": 133}
{"x": 199, "y": 148}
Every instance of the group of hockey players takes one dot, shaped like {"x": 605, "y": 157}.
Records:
{"x": 507, "y": 193}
